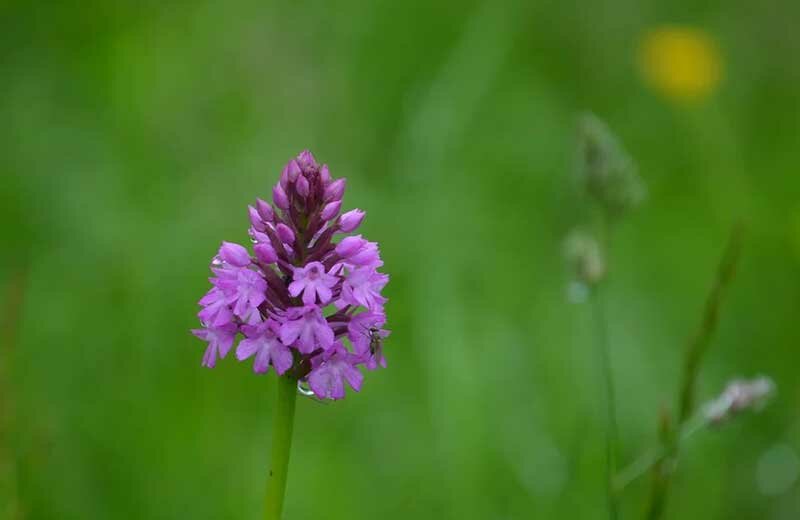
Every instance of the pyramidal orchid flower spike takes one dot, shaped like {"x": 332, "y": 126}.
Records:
{"x": 306, "y": 302}
{"x": 303, "y": 292}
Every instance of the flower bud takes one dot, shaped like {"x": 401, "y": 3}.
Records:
{"x": 331, "y": 210}
{"x": 257, "y": 237}
{"x": 307, "y": 161}
{"x": 325, "y": 174}
{"x": 265, "y": 253}
{"x": 292, "y": 171}
{"x": 285, "y": 233}
{"x": 350, "y": 246}
{"x": 302, "y": 186}
{"x": 255, "y": 218}
{"x": 264, "y": 210}
{"x": 335, "y": 190}
{"x": 351, "y": 220}
{"x": 279, "y": 197}
{"x": 234, "y": 254}
{"x": 367, "y": 256}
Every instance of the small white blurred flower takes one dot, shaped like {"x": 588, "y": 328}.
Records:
{"x": 738, "y": 396}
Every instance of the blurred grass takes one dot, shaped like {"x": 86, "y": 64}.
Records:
{"x": 135, "y": 135}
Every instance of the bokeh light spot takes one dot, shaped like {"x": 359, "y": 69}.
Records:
{"x": 777, "y": 470}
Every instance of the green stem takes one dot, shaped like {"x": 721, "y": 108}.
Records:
{"x": 612, "y": 429}
{"x": 645, "y": 463}
{"x": 702, "y": 339}
{"x": 698, "y": 346}
{"x": 601, "y": 336}
{"x": 281, "y": 446}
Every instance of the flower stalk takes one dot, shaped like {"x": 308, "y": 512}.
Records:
{"x": 307, "y": 289}
{"x": 739, "y": 395}
{"x": 612, "y": 429}
{"x": 610, "y": 179}
{"x": 698, "y": 346}
{"x": 604, "y": 350}
{"x": 282, "y": 426}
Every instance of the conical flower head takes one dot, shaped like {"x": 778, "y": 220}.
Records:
{"x": 306, "y": 288}
{"x": 606, "y": 169}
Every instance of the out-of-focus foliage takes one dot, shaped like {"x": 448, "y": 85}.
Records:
{"x": 135, "y": 134}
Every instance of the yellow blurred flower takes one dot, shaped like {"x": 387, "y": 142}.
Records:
{"x": 682, "y": 63}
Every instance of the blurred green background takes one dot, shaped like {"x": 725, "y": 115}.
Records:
{"x": 134, "y": 136}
